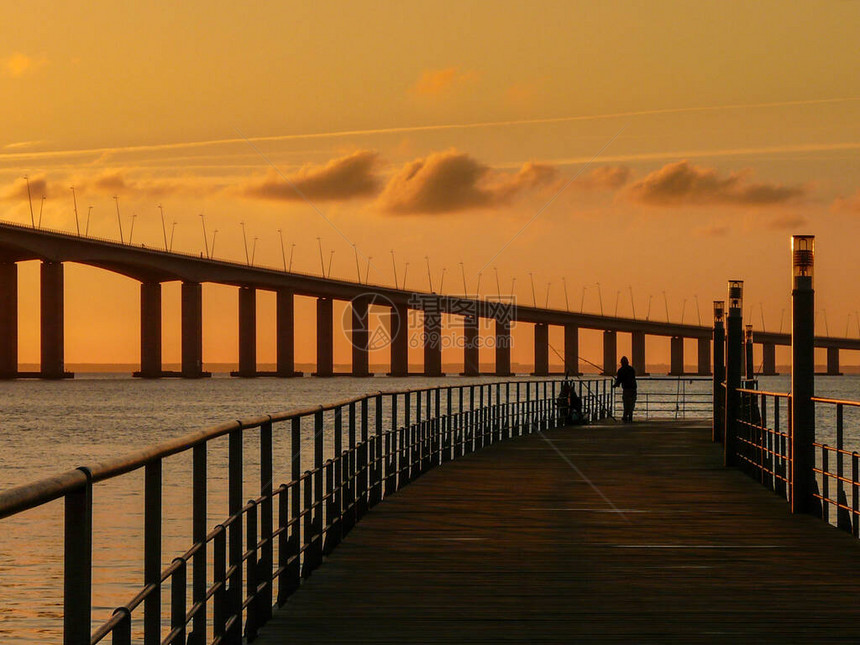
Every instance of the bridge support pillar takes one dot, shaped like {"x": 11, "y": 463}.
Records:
{"x": 360, "y": 336}
{"x": 676, "y": 354}
{"x": 192, "y": 330}
{"x": 768, "y": 356}
{"x": 432, "y": 343}
{"x": 503, "y": 347}
{"x": 150, "y": 329}
{"x": 285, "y": 333}
{"x": 325, "y": 337}
{"x": 541, "y": 349}
{"x": 610, "y": 352}
{"x": 53, "y": 337}
{"x": 638, "y": 351}
{"x": 8, "y": 320}
{"x": 247, "y": 332}
{"x": 833, "y": 361}
{"x": 571, "y": 349}
{"x": 704, "y": 347}
{"x": 471, "y": 354}
{"x": 399, "y": 332}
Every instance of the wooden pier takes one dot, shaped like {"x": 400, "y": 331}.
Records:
{"x": 607, "y": 533}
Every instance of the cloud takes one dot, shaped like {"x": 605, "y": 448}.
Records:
{"x": 344, "y": 178}
{"x": 19, "y": 64}
{"x": 604, "y": 178}
{"x": 683, "y": 184}
{"x": 18, "y": 189}
{"x": 451, "y": 181}
{"x": 438, "y": 82}
{"x": 846, "y": 204}
{"x": 787, "y": 221}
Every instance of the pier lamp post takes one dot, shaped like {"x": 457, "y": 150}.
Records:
{"x": 802, "y": 375}
{"x": 749, "y": 370}
{"x": 719, "y": 368}
{"x": 734, "y": 365}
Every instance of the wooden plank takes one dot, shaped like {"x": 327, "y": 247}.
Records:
{"x": 630, "y": 534}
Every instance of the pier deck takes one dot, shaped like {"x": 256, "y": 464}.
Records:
{"x": 513, "y": 544}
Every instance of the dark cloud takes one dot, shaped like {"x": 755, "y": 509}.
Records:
{"x": 684, "y": 184}
{"x": 344, "y": 178}
{"x": 451, "y": 181}
{"x": 17, "y": 190}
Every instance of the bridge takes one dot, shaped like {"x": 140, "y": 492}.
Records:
{"x": 153, "y": 267}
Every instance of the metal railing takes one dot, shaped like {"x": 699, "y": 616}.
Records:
{"x": 261, "y": 552}
{"x": 675, "y": 397}
{"x": 847, "y": 508}
{"x": 762, "y": 439}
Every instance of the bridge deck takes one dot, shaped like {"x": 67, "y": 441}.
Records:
{"x": 513, "y": 544}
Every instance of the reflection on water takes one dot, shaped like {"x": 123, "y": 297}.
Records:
{"x": 48, "y": 427}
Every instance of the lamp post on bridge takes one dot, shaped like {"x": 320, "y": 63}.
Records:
{"x": 749, "y": 369}
{"x": 734, "y": 365}
{"x": 719, "y": 369}
{"x": 803, "y": 376}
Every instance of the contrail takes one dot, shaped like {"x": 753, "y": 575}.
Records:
{"x": 417, "y": 128}
{"x": 682, "y": 154}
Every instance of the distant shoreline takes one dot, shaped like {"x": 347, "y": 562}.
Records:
{"x": 381, "y": 369}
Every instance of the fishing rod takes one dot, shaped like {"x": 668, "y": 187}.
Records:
{"x": 603, "y": 408}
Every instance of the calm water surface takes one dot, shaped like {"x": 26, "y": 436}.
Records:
{"x": 48, "y": 427}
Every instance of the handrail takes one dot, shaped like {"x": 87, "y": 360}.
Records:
{"x": 852, "y": 404}
{"x": 280, "y": 536}
{"x": 783, "y": 395}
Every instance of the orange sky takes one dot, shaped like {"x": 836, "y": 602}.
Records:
{"x": 651, "y": 147}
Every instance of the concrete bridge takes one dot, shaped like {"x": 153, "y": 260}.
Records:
{"x": 152, "y": 267}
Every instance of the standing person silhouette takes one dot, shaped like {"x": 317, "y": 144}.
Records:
{"x": 626, "y": 378}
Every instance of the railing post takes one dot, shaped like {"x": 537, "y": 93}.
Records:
{"x": 152, "y": 553}
{"x": 390, "y": 451}
{"x": 252, "y": 575}
{"x": 843, "y": 519}
{"x": 219, "y": 576}
{"x": 377, "y": 468}
{"x": 317, "y": 547}
{"x": 264, "y": 567}
{"x": 336, "y": 524}
{"x": 719, "y": 370}
{"x": 198, "y": 564}
{"x": 734, "y": 365}
{"x": 294, "y": 571}
{"x": 177, "y": 600}
{"x": 122, "y": 632}
{"x": 803, "y": 377}
{"x": 234, "y": 495}
{"x": 77, "y": 563}
{"x": 855, "y": 494}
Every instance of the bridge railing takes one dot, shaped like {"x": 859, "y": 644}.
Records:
{"x": 224, "y": 586}
{"x": 763, "y": 443}
{"x": 762, "y": 438}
